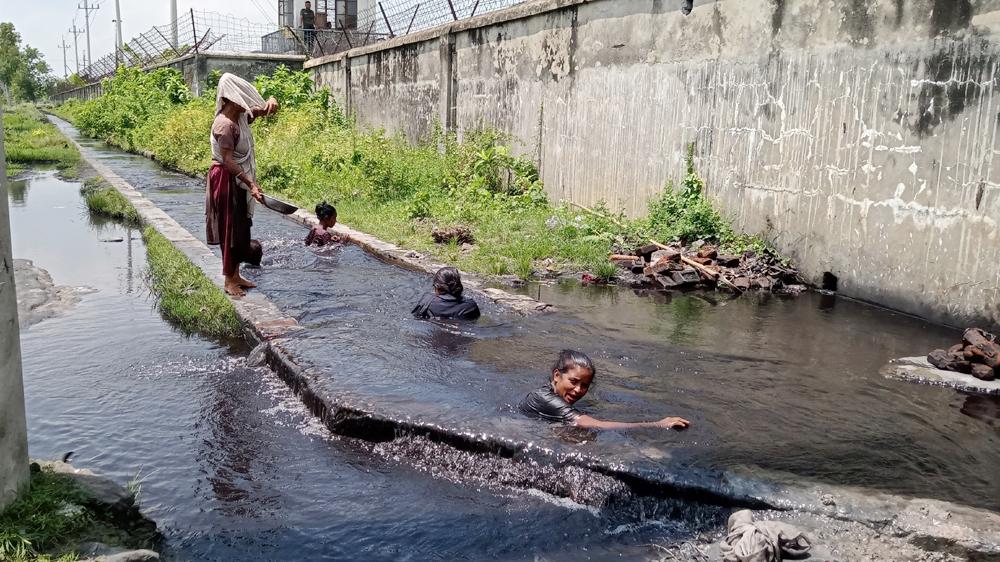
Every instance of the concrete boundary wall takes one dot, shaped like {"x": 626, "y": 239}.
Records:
{"x": 860, "y": 137}
{"x": 196, "y": 68}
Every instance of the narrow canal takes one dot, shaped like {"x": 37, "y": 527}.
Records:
{"x": 232, "y": 466}
{"x": 235, "y": 468}
{"x": 777, "y": 387}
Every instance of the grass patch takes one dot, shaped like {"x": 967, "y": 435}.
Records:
{"x": 399, "y": 191}
{"x": 104, "y": 200}
{"x": 50, "y": 518}
{"x": 184, "y": 294}
{"x": 31, "y": 140}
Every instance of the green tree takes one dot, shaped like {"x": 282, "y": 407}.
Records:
{"x": 23, "y": 70}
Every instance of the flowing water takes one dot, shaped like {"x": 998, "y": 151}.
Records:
{"x": 777, "y": 388}
{"x": 231, "y": 465}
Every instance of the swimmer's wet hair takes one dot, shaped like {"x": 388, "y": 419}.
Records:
{"x": 255, "y": 254}
{"x": 449, "y": 281}
{"x": 325, "y": 210}
{"x": 569, "y": 358}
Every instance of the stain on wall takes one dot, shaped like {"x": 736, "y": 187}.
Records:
{"x": 860, "y": 136}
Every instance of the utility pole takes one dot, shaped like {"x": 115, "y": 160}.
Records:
{"x": 86, "y": 19}
{"x": 173, "y": 24}
{"x": 76, "y": 48}
{"x": 14, "y": 437}
{"x": 64, "y": 46}
{"x": 118, "y": 33}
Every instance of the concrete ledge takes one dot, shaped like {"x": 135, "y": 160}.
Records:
{"x": 262, "y": 320}
{"x": 414, "y": 261}
{"x": 919, "y": 370}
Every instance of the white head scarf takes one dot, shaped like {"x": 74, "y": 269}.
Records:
{"x": 242, "y": 93}
{"x": 238, "y": 91}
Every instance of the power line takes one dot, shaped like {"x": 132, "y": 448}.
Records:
{"x": 263, "y": 12}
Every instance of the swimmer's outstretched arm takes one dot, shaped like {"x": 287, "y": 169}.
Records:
{"x": 665, "y": 423}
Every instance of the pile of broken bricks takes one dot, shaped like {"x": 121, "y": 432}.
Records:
{"x": 676, "y": 267}
{"x": 978, "y": 355}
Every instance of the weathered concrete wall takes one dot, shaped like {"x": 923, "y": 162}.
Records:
{"x": 859, "y": 136}
{"x": 88, "y": 92}
{"x": 13, "y": 428}
{"x": 197, "y": 67}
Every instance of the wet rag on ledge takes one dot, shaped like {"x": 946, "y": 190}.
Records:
{"x": 762, "y": 541}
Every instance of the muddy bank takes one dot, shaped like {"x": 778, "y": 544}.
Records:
{"x": 111, "y": 510}
{"x": 38, "y": 297}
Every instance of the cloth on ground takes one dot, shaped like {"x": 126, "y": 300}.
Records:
{"x": 545, "y": 404}
{"x": 762, "y": 541}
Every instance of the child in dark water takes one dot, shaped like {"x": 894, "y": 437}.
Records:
{"x": 447, "y": 301}
{"x": 254, "y": 254}
{"x": 572, "y": 376}
{"x": 327, "y": 215}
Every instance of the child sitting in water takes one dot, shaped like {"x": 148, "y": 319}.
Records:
{"x": 327, "y": 215}
{"x": 447, "y": 301}
{"x": 572, "y": 376}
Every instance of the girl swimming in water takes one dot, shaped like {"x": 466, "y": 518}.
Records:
{"x": 447, "y": 300}
{"x": 327, "y": 215}
{"x": 572, "y": 376}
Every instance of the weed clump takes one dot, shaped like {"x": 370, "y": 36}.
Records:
{"x": 29, "y": 140}
{"x": 50, "y": 517}
{"x": 183, "y": 292}
{"x": 104, "y": 200}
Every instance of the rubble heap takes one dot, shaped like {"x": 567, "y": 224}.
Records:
{"x": 978, "y": 355}
{"x": 459, "y": 234}
{"x": 676, "y": 267}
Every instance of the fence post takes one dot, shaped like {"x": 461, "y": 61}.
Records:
{"x": 454, "y": 15}
{"x": 384, "y": 17}
{"x": 194, "y": 33}
{"x": 409, "y": 27}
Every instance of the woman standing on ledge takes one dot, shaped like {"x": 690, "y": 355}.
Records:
{"x": 232, "y": 179}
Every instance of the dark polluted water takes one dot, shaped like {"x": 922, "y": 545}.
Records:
{"x": 777, "y": 388}
{"x": 231, "y": 465}
{"x": 780, "y": 388}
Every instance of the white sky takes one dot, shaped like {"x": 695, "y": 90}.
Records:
{"x": 44, "y": 23}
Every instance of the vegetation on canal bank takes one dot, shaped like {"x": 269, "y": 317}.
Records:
{"x": 48, "y": 520}
{"x": 184, "y": 294}
{"x": 31, "y": 140}
{"x": 104, "y": 200}
{"x": 396, "y": 190}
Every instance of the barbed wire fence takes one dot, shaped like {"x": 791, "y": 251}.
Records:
{"x": 209, "y": 32}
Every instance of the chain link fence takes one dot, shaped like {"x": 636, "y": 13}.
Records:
{"x": 208, "y": 32}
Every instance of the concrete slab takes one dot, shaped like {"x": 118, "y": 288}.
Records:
{"x": 919, "y": 370}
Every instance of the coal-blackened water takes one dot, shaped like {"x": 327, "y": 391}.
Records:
{"x": 230, "y": 463}
{"x": 776, "y": 387}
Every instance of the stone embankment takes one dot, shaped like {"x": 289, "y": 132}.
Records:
{"x": 38, "y": 298}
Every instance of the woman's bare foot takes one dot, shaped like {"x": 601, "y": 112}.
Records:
{"x": 233, "y": 288}
{"x": 246, "y": 284}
